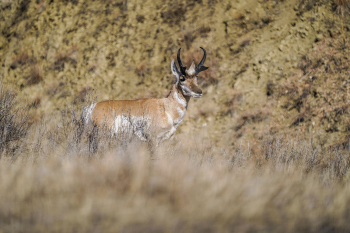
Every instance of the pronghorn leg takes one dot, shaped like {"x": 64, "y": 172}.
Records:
{"x": 166, "y": 135}
{"x": 151, "y": 147}
{"x": 141, "y": 135}
{"x": 93, "y": 139}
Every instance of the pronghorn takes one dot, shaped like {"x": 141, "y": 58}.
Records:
{"x": 150, "y": 117}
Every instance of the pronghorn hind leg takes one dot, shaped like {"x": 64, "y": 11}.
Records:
{"x": 93, "y": 140}
{"x": 151, "y": 145}
{"x": 141, "y": 135}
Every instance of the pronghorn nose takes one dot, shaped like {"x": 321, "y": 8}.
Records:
{"x": 199, "y": 91}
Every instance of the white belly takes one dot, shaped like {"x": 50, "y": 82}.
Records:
{"x": 130, "y": 125}
{"x": 140, "y": 126}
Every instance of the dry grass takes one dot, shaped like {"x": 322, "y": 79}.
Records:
{"x": 315, "y": 96}
{"x": 14, "y": 122}
{"x": 83, "y": 95}
{"x": 342, "y": 8}
{"x": 252, "y": 116}
{"x": 68, "y": 56}
{"x": 286, "y": 188}
{"x": 5, "y": 3}
{"x": 92, "y": 67}
{"x": 35, "y": 75}
{"x": 36, "y": 102}
{"x": 206, "y": 110}
{"x": 63, "y": 176}
{"x": 174, "y": 13}
{"x": 54, "y": 88}
{"x": 141, "y": 71}
{"x": 22, "y": 58}
{"x": 69, "y": 176}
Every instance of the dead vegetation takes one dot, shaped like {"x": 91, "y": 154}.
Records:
{"x": 35, "y": 75}
{"x": 254, "y": 116}
{"x": 54, "y": 88}
{"x": 342, "y": 8}
{"x": 71, "y": 173}
{"x": 141, "y": 71}
{"x": 174, "y": 13}
{"x": 22, "y": 58}
{"x": 83, "y": 95}
{"x": 233, "y": 101}
{"x": 68, "y": 56}
{"x": 290, "y": 174}
{"x": 14, "y": 122}
{"x": 36, "y": 102}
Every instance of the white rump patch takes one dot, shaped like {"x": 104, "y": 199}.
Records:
{"x": 87, "y": 113}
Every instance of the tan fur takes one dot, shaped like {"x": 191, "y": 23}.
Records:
{"x": 157, "y": 110}
{"x": 157, "y": 118}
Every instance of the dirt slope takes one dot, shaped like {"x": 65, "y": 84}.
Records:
{"x": 276, "y": 67}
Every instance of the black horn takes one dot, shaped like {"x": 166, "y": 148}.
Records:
{"x": 200, "y": 66}
{"x": 182, "y": 68}
{"x": 174, "y": 68}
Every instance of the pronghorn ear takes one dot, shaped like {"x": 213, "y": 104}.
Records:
{"x": 175, "y": 71}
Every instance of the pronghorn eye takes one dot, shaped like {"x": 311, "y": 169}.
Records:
{"x": 182, "y": 78}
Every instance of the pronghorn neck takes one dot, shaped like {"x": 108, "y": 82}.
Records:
{"x": 178, "y": 97}
{"x": 177, "y": 106}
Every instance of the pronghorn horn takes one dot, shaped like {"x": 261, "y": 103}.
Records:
{"x": 175, "y": 71}
{"x": 200, "y": 66}
{"x": 182, "y": 68}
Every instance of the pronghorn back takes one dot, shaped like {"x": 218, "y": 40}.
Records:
{"x": 105, "y": 112}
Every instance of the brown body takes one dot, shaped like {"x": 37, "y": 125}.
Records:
{"x": 159, "y": 117}
{"x": 149, "y": 118}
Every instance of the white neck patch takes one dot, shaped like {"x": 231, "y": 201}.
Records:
{"x": 179, "y": 120}
{"x": 180, "y": 100}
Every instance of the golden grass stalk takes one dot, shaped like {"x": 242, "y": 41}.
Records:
{"x": 343, "y": 7}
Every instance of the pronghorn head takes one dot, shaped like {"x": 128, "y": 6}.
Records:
{"x": 186, "y": 79}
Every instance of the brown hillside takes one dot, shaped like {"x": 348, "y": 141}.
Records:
{"x": 276, "y": 67}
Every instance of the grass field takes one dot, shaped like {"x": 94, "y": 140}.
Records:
{"x": 266, "y": 149}
{"x": 67, "y": 178}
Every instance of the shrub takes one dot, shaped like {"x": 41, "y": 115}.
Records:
{"x": 35, "y": 76}
{"x": 14, "y": 121}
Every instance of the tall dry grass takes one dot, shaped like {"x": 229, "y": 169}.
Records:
{"x": 186, "y": 191}
{"x": 342, "y": 8}
{"x": 14, "y": 122}
{"x": 71, "y": 177}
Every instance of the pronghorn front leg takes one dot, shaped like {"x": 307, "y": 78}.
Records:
{"x": 166, "y": 135}
{"x": 141, "y": 135}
